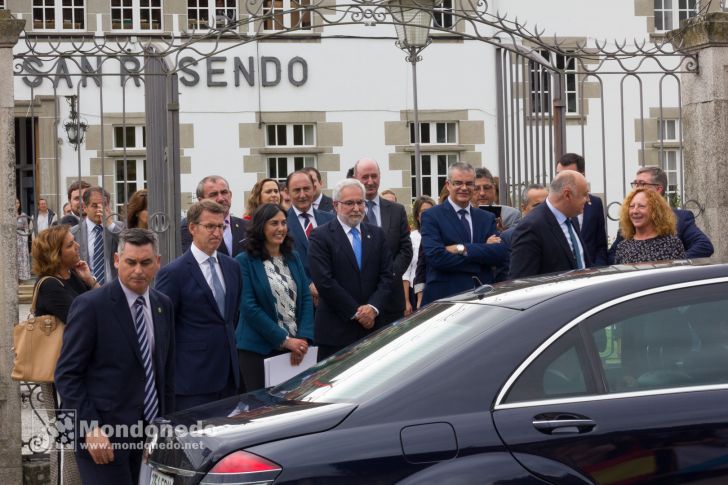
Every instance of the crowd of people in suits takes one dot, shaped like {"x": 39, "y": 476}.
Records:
{"x": 299, "y": 269}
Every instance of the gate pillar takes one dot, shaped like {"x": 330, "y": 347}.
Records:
{"x": 705, "y": 122}
{"x": 10, "y": 439}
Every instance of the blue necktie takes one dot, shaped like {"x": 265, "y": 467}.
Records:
{"x": 371, "y": 215}
{"x": 356, "y": 245}
{"x": 98, "y": 262}
{"x": 217, "y": 290}
{"x": 575, "y": 245}
{"x": 151, "y": 403}
{"x": 462, "y": 213}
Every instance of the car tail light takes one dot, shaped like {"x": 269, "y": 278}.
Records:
{"x": 241, "y": 467}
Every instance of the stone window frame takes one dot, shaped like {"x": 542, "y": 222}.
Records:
{"x": 397, "y": 139}
{"x": 58, "y": 21}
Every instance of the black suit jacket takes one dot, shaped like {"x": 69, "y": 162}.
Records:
{"x": 100, "y": 372}
{"x": 539, "y": 245}
{"x": 342, "y": 286}
{"x": 300, "y": 241}
{"x": 238, "y": 227}
{"x": 594, "y": 231}
{"x": 326, "y": 204}
{"x": 396, "y": 231}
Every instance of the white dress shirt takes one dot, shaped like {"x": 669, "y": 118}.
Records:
{"x": 561, "y": 219}
{"x": 467, "y": 215}
{"x": 148, "y": 321}
{"x": 377, "y": 209}
{"x": 201, "y": 258}
{"x": 301, "y": 220}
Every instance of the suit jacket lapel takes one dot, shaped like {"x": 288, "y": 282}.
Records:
{"x": 385, "y": 213}
{"x": 294, "y": 225}
{"x": 559, "y": 235}
{"x": 343, "y": 241}
{"x": 454, "y": 219}
{"x": 230, "y": 286}
{"x": 160, "y": 334}
{"x": 124, "y": 318}
{"x": 199, "y": 278}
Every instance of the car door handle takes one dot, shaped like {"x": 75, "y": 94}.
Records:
{"x": 564, "y": 426}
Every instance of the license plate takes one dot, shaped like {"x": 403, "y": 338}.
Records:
{"x": 159, "y": 478}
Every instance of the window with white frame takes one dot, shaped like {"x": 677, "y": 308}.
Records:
{"x": 669, "y": 130}
{"x": 280, "y": 166}
{"x": 131, "y": 175}
{"x": 132, "y": 15}
{"x": 130, "y": 137}
{"x": 293, "y": 135}
{"x": 434, "y": 172}
{"x": 669, "y": 13}
{"x": 276, "y": 19}
{"x": 58, "y": 14}
{"x": 2, "y": 4}
{"x": 442, "y": 14}
{"x": 540, "y": 83}
{"x": 435, "y": 132}
{"x": 211, "y": 14}
{"x": 671, "y": 160}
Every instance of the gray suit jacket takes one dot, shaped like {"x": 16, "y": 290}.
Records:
{"x": 510, "y": 216}
{"x": 111, "y": 242}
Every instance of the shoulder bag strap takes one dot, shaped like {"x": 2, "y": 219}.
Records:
{"x": 37, "y": 289}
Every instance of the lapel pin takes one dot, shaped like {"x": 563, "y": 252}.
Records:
{"x": 159, "y": 310}
{"x": 369, "y": 236}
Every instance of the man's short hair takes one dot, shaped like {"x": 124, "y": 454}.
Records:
{"x": 568, "y": 159}
{"x": 313, "y": 171}
{"x": 137, "y": 236}
{"x": 195, "y": 211}
{"x": 524, "y": 192}
{"x": 42, "y": 198}
{"x": 658, "y": 175}
{"x": 484, "y": 173}
{"x": 300, "y": 172}
{"x": 347, "y": 183}
{"x": 210, "y": 178}
{"x": 460, "y": 166}
{"x": 74, "y": 186}
{"x": 95, "y": 190}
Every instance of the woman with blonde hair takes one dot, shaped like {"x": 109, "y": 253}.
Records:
{"x": 648, "y": 226}
{"x": 266, "y": 191}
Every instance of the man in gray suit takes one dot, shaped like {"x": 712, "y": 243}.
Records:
{"x": 485, "y": 195}
{"x": 97, "y": 243}
{"x": 392, "y": 218}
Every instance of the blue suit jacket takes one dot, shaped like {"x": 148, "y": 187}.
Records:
{"x": 100, "y": 372}
{"x": 539, "y": 246}
{"x": 697, "y": 244}
{"x": 205, "y": 339}
{"x": 300, "y": 241}
{"x": 258, "y": 329}
{"x": 447, "y": 273}
{"x": 594, "y": 232}
{"x": 342, "y": 286}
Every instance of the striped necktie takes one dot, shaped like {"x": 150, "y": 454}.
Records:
{"x": 98, "y": 262}
{"x": 151, "y": 403}
{"x": 307, "y": 226}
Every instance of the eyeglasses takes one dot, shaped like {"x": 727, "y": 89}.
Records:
{"x": 351, "y": 203}
{"x": 460, "y": 183}
{"x": 213, "y": 227}
{"x": 642, "y": 184}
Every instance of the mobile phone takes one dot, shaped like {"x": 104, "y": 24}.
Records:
{"x": 493, "y": 209}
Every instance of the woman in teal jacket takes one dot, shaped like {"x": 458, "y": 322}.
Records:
{"x": 276, "y": 310}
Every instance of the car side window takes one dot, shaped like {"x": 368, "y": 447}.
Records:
{"x": 559, "y": 371}
{"x": 668, "y": 340}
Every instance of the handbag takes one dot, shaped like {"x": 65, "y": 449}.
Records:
{"x": 37, "y": 344}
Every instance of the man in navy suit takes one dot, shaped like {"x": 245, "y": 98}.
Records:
{"x": 302, "y": 218}
{"x": 116, "y": 367}
{"x": 548, "y": 239}
{"x": 460, "y": 241}
{"x": 591, "y": 221}
{"x": 392, "y": 218}
{"x": 351, "y": 267}
{"x": 321, "y": 201}
{"x": 214, "y": 187}
{"x": 204, "y": 286}
{"x": 697, "y": 244}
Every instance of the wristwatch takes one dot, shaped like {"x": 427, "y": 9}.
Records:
{"x": 460, "y": 248}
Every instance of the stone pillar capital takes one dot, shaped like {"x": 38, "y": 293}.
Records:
{"x": 10, "y": 29}
{"x": 703, "y": 31}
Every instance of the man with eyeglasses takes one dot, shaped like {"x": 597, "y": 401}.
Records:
{"x": 215, "y": 187}
{"x": 351, "y": 266}
{"x": 204, "y": 286}
{"x": 460, "y": 241}
{"x": 485, "y": 195}
{"x": 697, "y": 244}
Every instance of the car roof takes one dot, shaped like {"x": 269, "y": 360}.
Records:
{"x": 524, "y": 293}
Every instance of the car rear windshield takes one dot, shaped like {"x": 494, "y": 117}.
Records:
{"x": 394, "y": 353}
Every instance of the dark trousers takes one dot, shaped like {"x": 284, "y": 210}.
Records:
{"x": 252, "y": 368}
{"x": 124, "y": 470}
{"x": 182, "y": 401}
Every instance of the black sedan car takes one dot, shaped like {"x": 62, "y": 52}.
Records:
{"x": 610, "y": 376}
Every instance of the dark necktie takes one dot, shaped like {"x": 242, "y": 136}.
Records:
{"x": 356, "y": 245}
{"x": 307, "y": 225}
{"x": 464, "y": 221}
{"x": 151, "y": 403}
{"x": 217, "y": 291}
{"x": 371, "y": 215}
{"x": 575, "y": 245}
{"x": 98, "y": 262}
